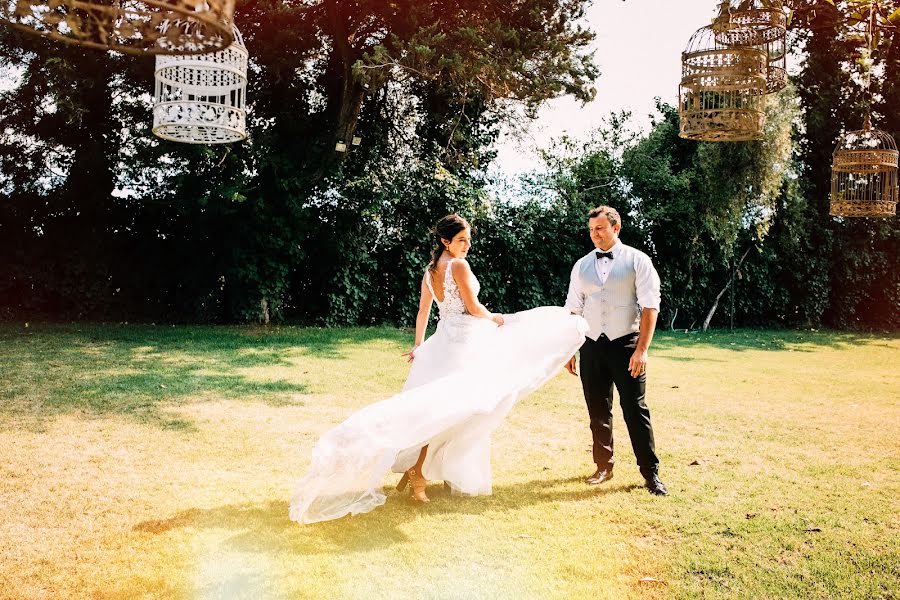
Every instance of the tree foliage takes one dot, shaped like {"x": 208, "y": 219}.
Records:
{"x": 101, "y": 220}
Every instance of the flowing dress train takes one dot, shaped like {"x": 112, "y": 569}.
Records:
{"x": 464, "y": 380}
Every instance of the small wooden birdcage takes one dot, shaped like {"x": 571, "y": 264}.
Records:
{"x": 756, "y": 25}
{"x": 723, "y": 90}
{"x": 132, "y": 26}
{"x": 201, "y": 99}
{"x": 776, "y": 71}
{"x": 864, "y": 174}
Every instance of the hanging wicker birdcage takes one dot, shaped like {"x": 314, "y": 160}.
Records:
{"x": 759, "y": 26}
{"x": 201, "y": 99}
{"x": 776, "y": 71}
{"x": 132, "y": 26}
{"x": 864, "y": 174}
{"x": 723, "y": 90}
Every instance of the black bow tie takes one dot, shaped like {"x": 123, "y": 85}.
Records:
{"x": 600, "y": 255}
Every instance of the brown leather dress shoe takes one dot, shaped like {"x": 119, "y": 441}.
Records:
{"x": 604, "y": 473}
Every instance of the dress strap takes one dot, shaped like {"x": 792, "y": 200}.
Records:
{"x": 448, "y": 275}
{"x": 428, "y": 282}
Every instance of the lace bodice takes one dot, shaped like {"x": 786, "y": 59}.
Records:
{"x": 453, "y": 304}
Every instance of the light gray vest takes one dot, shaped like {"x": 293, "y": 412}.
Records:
{"x": 611, "y": 308}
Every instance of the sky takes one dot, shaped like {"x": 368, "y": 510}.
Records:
{"x": 638, "y": 48}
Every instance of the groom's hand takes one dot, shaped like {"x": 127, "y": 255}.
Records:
{"x": 570, "y": 366}
{"x": 638, "y": 363}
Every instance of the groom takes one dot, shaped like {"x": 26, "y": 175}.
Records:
{"x": 616, "y": 289}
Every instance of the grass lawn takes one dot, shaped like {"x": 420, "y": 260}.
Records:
{"x": 142, "y": 461}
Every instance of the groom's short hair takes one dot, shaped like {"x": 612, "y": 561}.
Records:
{"x": 611, "y": 214}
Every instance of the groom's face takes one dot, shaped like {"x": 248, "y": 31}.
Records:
{"x": 603, "y": 233}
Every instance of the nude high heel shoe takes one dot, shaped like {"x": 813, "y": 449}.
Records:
{"x": 416, "y": 483}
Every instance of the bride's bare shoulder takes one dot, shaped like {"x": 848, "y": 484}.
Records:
{"x": 460, "y": 266}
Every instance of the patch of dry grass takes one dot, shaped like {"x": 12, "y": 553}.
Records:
{"x": 159, "y": 463}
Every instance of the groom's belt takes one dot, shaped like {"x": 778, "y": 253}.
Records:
{"x": 624, "y": 338}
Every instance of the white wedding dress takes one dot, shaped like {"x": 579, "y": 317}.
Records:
{"x": 464, "y": 380}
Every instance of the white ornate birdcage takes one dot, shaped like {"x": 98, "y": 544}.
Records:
{"x": 723, "y": 90}
{"x": 755, "y": 23}
{"x": 201, "y": 99}
{"x": 864, "y": 174}
{"x": 132, "y": 26}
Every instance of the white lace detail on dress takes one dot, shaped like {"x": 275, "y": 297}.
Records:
{"x": 452, "y": 304}
{"x": 455, "y": 321}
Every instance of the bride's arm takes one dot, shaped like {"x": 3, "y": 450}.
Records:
{"x": 421, "y": 318}
{"x": 462, "y": 274}
{"x": 424, "y": 312}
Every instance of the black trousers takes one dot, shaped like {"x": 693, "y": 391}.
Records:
{"x": 604, "y": 364}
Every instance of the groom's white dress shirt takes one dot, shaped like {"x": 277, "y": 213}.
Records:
{"x": 610, "y": 293}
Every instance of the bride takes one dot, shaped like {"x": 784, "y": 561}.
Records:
{"x": 464, "y": 380}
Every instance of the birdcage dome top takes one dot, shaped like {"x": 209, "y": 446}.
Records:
{"x": 753, "y": 25}
{"x": 703, "y": 40}
{"x": 866, "y": 139}
{"x": 708, "y": 64}
{"x": 707, "y": 39}
{"x": 225, "y": 69}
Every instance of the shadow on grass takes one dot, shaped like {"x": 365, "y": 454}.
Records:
{"x": 770, "y": 339}
{"x": 688, "y": 359}
{"x": 133, "y": 369}
{"x": 264, "y": 343}
{"x": 266, "y": 527}
{"x": 141, "y": 395}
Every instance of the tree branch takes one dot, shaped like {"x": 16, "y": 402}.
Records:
{"x": 715, "y": 305}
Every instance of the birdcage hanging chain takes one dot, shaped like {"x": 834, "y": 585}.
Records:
{"x": 870, "y": 36}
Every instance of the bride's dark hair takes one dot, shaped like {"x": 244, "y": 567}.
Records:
{"x": 446, "y": 228}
